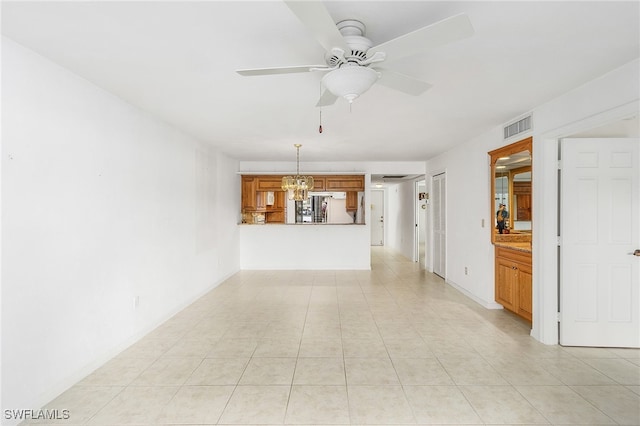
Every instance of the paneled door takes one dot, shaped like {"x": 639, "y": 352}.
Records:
{"x": 438, "y": 188}
{"x": 377, "y": 217}
{"x": 600, "y": 230}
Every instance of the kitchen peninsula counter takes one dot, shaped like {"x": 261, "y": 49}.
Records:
{"x": 303, "y": 246}
{"x": 304, "y": 224}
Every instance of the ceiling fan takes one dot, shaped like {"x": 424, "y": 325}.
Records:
{"x": 353, "y": 63}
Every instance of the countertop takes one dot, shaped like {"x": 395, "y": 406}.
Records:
{"x": 525, "y": 247}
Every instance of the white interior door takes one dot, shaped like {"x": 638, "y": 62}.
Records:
{"x": 600, "y": 229}
{"x": 377, "y": 217}
{"x": 439, "y": 224}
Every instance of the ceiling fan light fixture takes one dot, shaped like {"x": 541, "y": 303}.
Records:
{"x": 349, "y": 82}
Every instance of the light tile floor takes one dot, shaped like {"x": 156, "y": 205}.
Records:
{"x": 394, "y": 345}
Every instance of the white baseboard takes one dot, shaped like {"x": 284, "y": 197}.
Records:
{"x": 481, "y": 302}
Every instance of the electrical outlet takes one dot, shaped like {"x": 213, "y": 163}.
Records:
{"x": 482, "y": 223}
{"x": 466, "y": 270}
{"x": 136, "y": 302}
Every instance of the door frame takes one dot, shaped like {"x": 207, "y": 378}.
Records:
{"x": 546, "y": 267}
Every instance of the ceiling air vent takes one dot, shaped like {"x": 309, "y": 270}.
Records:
{"x": 394, "y": 176}
{"x": 518, "y": 127}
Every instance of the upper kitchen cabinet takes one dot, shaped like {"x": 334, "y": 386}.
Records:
{"x": 344, "y": 183}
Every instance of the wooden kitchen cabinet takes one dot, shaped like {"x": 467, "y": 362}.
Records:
{"x": 525, "y": 293}
{"x": 344, "y": 183}
{"x": 513, "y": 281}
{"x": 505, "y": 283}
{"x": 269, "y": 183}
{"x": 352, "y": 201}
{"x": 280, "y": 200}
{"x": 255, "y": 194}
{"x": 274, "y": 212}
{"x": 261, "y": 201}
{"x": 275, "y": 216}
{"x": 248, "y": 194}
{"x": 318, "y": 183}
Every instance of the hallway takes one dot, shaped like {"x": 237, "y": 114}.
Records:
{"x": 394, "y": 345}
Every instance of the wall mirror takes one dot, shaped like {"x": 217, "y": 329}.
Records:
{"x": 511, "y": 170}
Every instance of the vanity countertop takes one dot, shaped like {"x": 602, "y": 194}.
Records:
{"x": 514, "y": 237}
{"x": 525, "y": 247}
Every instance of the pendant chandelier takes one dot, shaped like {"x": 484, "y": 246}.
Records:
{"x": 297, "y": 186}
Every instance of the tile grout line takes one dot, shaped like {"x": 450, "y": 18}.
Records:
{"x": 293, "y": 376}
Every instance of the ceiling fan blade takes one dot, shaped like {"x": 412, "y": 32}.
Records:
{"x": 327, "y": 98}
{"x": 281, "y": 70}
{"x": 403, "y": 83}
{"x": 316, "y": 18}
{"x": 446, "y": 31}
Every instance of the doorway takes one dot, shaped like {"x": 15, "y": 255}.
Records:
{"x": 439, "y": 215}
{"x": 377, "y": 217}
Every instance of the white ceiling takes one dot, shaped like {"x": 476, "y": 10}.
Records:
{"x": 177, "y": 60}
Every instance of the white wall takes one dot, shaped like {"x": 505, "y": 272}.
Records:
{"x": 101, "y": 204}
{"x": 468, "y": 189}
{"x": 467, "y": 205}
